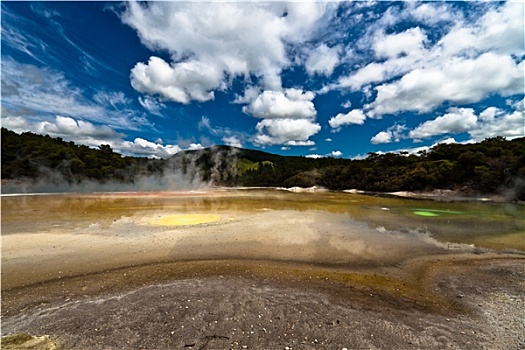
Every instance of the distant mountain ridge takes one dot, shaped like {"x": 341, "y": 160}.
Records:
{"x": 495, "y": 165}
{"x": 249, "y": 154}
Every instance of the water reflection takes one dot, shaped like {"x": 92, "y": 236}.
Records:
{"x": 54, "y": 236}
{"x": 469, "y": 223}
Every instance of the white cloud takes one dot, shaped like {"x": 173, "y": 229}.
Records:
{"x": 232, "y": 141}
{"x": 151, "y": 104}
{"x": 382, "y": 137}
{"x": 489, "y": 114}
{"x": 30, "y": 91}
{"x": 393, "y": 45}
{"x": 291, "y": 104}
{"x": 509, "y": 125}
{"x": 288, "y": 117}
{"x": 432, "y": 13}
{"x": 518, "y": 105}
{"x": 180, "y": 82}
{"x": 322, "y": 59}
{"x": 460, "y": 80}
{"x": 373, "y": 72}
{"x": 13, "y": 36}
{"x": 85, "y": 133}
{"x": 313, "y": 156}
{"x": 285, "y": 132}
{"x": 490, "y": 123}
{"x": 416, "y": 150}
{"x": 300, "y": 143}
{"x": 346, "y": 104}
{"x": 328, "y": 140}
{"x": 144, "y": 148}
{"x": 331, "y": 154}
{"x": 499, "y": 30}
{"x": 224, "y": 40}
{"x": 111, "y": 98}
{"x": 195, "y": 146}
{"x": 65, "y": 127}
{"x": 471, "y": 61}
{"x": 355, "y": 116}
{"x": 456, "y": 121}
{"x": 250, "y": 94}
{"x": 392, "y": 134}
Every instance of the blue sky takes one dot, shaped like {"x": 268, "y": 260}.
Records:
{"x": 302, "y": 78}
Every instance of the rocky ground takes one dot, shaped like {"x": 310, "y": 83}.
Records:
{"x": 456, "y": 304}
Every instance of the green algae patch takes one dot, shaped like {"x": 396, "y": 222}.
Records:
{"x": 441, "y": 211}
{"x": 436, "y": 212}
{"x": 29, "y": 342}
{"x": 425, "y": 213}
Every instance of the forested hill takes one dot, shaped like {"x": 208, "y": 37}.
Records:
{"x": 495, "y": 165}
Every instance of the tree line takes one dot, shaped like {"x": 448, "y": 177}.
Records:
{"x": 494, "y": 165}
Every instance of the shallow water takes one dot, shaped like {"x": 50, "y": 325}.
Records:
{"x": 487, "y": 225}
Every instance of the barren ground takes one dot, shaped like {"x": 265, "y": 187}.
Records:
{"x": 270, "y": 280}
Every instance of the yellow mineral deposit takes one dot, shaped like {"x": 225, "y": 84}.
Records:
{"x": 185, "y": 219}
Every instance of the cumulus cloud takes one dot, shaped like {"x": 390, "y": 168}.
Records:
{"x": 355, "y": 116}
{"x": 456, "y": 121}
{"x": 491, "y": 122}
{"x": 416, "y": 150}
{"x": 392, "y": 134}
{"x": 404, "y": 43}
{"x": 144, "y": 148}
{"x": 66, "y": 127}
{"x": 180, "y": 82}
{"x": 300, "y": 143}
{"x": 431, "y": 13}
{"x": 322, "y": 60}
{"x": 382, "y": 137}
{"x": 290, "y": 132}
{"x": 460, "y": 80}
{"x": 211, "y": 43}
{"x": 290, "y": 103}
{"x": 335, "y": 154}
{"x": 313, "y": 156}
{"x": 232, "y": 141}
{"x": 509, "y": 125}
{"x": 92, "y": 135}
{"x": 469, "y": 62}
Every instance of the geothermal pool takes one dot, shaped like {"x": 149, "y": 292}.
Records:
{"x": 59, "y": 249}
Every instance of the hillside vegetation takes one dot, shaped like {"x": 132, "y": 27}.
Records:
{"x": 495, "y": 165}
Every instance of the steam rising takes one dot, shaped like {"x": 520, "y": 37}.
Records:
{"x": 184, "y": 172}
{"x": 55, "y": 183}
